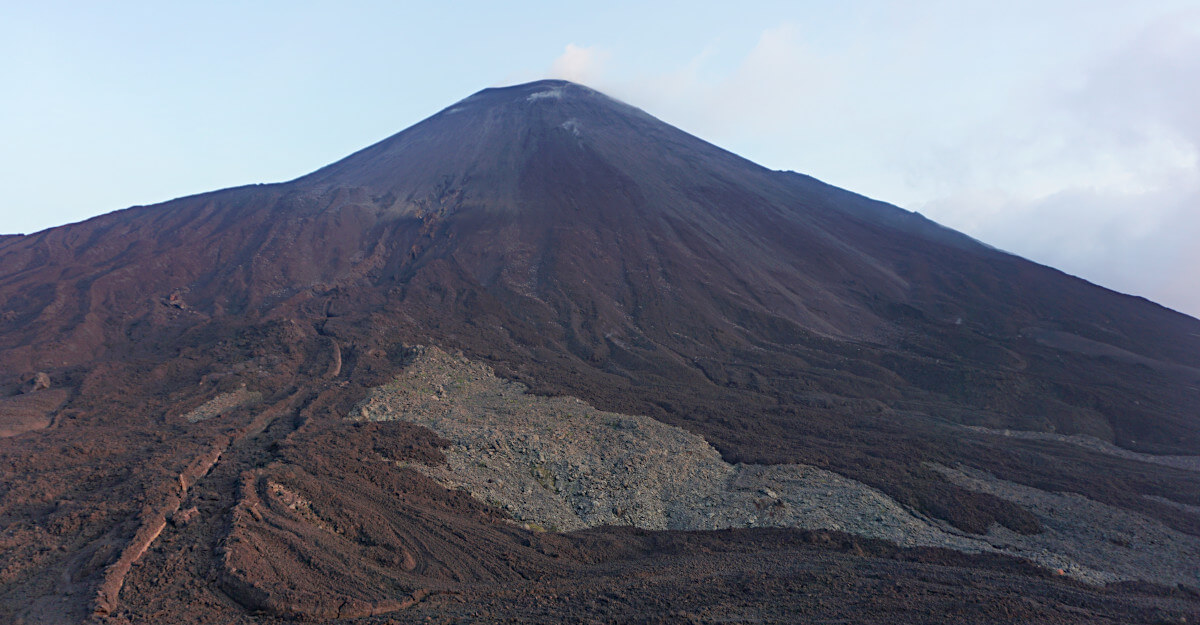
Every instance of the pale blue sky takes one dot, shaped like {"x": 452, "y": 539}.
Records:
{"x": 1063, "y": 131}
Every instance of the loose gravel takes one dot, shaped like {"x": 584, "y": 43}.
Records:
{"x": 558, "y": 464}
{"x": 1188, "y": 463}
{"x": 222, "y": 404}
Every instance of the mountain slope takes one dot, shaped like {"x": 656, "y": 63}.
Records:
{"x": 584, "y": 248}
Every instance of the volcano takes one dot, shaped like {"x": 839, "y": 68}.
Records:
{"x": 543, "y": 357}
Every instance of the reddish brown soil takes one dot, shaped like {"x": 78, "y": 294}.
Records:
{"x": 26, "y": 412}
{"x": 630, "y": 265}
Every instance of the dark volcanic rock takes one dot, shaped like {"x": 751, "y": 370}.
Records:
{"x": 582, "y": 247}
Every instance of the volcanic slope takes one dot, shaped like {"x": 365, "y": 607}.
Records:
{"x": 204, "y": 355}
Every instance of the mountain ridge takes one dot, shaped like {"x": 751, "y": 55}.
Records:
{"x": 614, "y": 259}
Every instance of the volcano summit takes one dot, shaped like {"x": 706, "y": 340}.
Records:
{"x": 541, "y": 358}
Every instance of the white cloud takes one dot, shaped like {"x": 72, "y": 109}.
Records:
{"x": 580, "y": 64}
{"x": 1100, "y": 178}
{"x": 778, "y": 83}
{"x": 1037, "y": 140}
{"x": 1088, "y": 162}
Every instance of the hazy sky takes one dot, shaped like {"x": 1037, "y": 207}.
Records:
{"x": 1065, "y": 131}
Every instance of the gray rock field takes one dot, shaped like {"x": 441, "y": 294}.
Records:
{"x": 558, "y": 464}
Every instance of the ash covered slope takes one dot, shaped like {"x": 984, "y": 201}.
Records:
{"x": 553, "y": 156}
{"x": 633, "y": 232}
{"x": 585, "y": 248}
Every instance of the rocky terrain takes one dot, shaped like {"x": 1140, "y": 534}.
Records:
{"x": 212, "y": 410}
{"x": 1191, "y": 463}
{"x": 558, "y": 464}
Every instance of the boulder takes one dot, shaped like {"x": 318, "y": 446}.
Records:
{"x": 37, "y": 382}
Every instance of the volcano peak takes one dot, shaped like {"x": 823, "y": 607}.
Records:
{"x": 529, "y": 92}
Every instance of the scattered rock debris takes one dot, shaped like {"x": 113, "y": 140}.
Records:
{"x": 175, "y": 299}
{"x": 39, "y": 381}
{"x": 183, "y": 517}
{"x": 558, "y": 464}
{"x": 1188, "y": 463}
{"x": 222, "y": 404}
